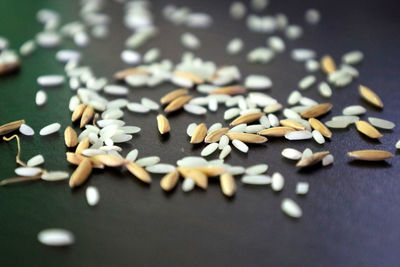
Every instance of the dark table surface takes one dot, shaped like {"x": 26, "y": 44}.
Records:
{"x": 351, "y": 214}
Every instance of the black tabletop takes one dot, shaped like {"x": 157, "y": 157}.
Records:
{"x": 350, "y": 215}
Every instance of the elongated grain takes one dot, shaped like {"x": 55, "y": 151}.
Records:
{"x": 168, "y": 98}
{"x": 319, "y": 126}
{"x": 370, "y": 155}
{"x": 199, "y": 134}
{"x": 276, "y": 131}
{"x": 168, "y": 182}
{"x": 70, "y": 137}
{"x": 247, "y": 137}
{"x": 228, "y": 185}
{"x": 10, "y": 127}
{"x": 215, "y": 135}
{"x": 367, "y": 129}
{"x": 247, "y": 118}
{"x": 163, "y": 124}
{"x": 317, "y": 110}
{"x": 138, "y": 171}
{"x": 81, "y": 174}
{"x": 78, "y": 111}
{"x": 177, "y": 103}
{"x": 370, "y": 96}
{"x": 311, "y": 160}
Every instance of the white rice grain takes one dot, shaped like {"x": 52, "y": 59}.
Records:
{"x": 290, "y": 208}
{"x": 273, "y": 119}
{"x": 190, "y": 41}
{"x": 188, "y": 185}
{"x": 381, "y": 123}
{"x": 138, "y": 108}
{"x": 318, "y": 137}
{"x": 324, "y": 89}
{"x": 192, "y": 161}
{"x": 130, "y": 57}
{"x": 277, "y": 182}
{"x": 298, "y": 135}
{"x": 312, "y": 16}
{"x": 132, "y": 155}
{"x": 161, "y": 168}
{"x": 194, "y": 109}
{"x": 54, "y": 176}
{"x": 234, "y": 46}
{"x": 302, "y": 188}
{"x": 327, "y": 160}
{"x": 256, "y": 169}
{"x": 191, "y": 128}
{"x": 242, "y": 147}
{"x": 116, "y": 90}
{"x": 148, "y": 161}
{"x": 56, "y": 237}
{"x": 307, "y": 82}
{"x": 147, "y": 102}
{"x": 28, "y": 171}
{"x": 35, "y": 161}
{"x": 256, "y": 179}
{"x": 353, "y": 57}
{"x": 240, "y": 128}
{"x": 265, "y": 122}
{"x": 257, "y": 82}
{"x": 92, "y": 196}
{"x": 302, "y": 54}
{"x": 294, "y": 97}
{"x": 209, "y": 149}
{"x": 354, "y": 110}
{"x": 26, "y": 130}
{"x": 291, "y": 153}
{"x": 50, "y": 80}
{"x": 49, "y": 129}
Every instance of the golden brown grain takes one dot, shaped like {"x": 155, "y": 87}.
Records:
{"x": 109, "y": 160}
{"x": 367, "y": 129}
{"x": 247, "y": 137}
{"x": 229, "y": 90}
{"x": 177, "y": 103}
{"x": 292, "y": 124}
{"x": 173, "y": 95}
{"x": 319, "y": 126}
{"x": 78, "y": 111}
{"x": 194, "y": 78}
{"x": 199, "y": 178}
{"x": 247, "y": 118}
{"x": 120, "y": 75}
{"x": 138, "y": 172}
{"x": 370, "y": 155}
{"x": 81, "y": 174}
{"x": 370, "y": 96}
{"x": 199, "y": 134}
{"x": 328, "y": 64}
{"x": 215, "y": 135}
{"x": 83, "y": 144}
{"x": 10, "y": 127}
{"x": 87, "y": 115}
{"x": 211, "y": 171}
{"x": 163, "y": 124}
{"x": 317, "y": 110}
{"x": 168, "y": 182}
{"x": 276, "y": 131}
{"x": 70, "y": 137}
{"x": 228, "y": 185}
